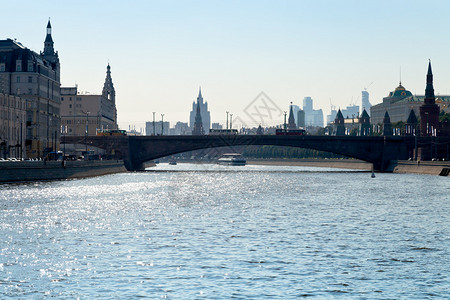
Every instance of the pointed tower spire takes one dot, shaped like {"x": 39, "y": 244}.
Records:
{"x": 411, "y": 123}
{"x": 339, "y": 123}
{"x": 291, "y": 120}
{"x": 108, "y": 88}
{"x": 429, "y": 111}
{"x": 48, "y": 43}
{"x": 387, "y": 126}
{"x": 429, "y": 90}
{"x": 198, "y": 124}
{"x": 200, "y": 97}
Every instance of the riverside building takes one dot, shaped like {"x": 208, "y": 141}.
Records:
{"x": 81, "y": 112}
{"x": 399, "y": 104}
{"x": 31, "y": 80}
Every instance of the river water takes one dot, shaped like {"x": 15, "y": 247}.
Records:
{"x": 217, "y": 232}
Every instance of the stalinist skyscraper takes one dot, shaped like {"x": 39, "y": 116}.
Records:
{"x": 205, "y": 114}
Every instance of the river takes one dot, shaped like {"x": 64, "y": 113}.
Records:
{"x": 216, "y": 232}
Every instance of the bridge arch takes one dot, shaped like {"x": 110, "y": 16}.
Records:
{"x": 137, "y": 150}
{"x": 369, "y": 149}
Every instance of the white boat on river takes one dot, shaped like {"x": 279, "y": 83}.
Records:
{"x": 232, "y": 159}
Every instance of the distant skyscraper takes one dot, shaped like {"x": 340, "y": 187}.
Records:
{"x": 198, "y": 126}
{"x": 312, "y": 117}
{"x": 332, "y": 116}
{"x": 365, "y": 102}
{"x": 307, "y": 104}
{"x": 351, "y": 111}
{"x": 205, "y": 114}
{"x": 301, "y": 118}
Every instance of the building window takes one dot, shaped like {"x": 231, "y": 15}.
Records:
{"x": 2, "y": 67}
{"x": 30, "y": 79}
{"x": 30, "y": 91}
{"x": 30, "y": 66}
{"x": 62, "y": 98}
{"x": 18, "y": 66}
{"x": 70, "y": 105}
{"x": 18, "y": 79}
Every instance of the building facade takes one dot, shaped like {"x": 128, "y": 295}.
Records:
{"x": 365, "y": 103}
{"x": 12, "y": 126}
{"x": 313, "y": 117}
{"x": 157, "y": 127}
{"x": 36, "y": 79}
{"x": 399, "y": 104}
{"x": 88, "y": 112}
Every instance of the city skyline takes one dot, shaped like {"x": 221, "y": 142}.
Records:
{"x": 160, "y": 53}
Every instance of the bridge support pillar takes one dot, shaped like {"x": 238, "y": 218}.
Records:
{"x": 130, "y": 166}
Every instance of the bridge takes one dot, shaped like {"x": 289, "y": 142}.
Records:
{"x": 136, "y": 150}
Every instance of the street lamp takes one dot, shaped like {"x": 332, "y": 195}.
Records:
{"x": 87, "y": 129}
{"x": 162, "y": 124}
{"x": 154, "y": 130}
{"x": 231, "y": 122}
{"x": 227, "y": 121}
{"x": 285, "y": 126}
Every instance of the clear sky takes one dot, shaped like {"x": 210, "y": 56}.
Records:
{"x": 160, "y": 52}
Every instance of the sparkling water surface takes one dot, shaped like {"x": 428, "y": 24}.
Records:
{"x": 216, "y": 232}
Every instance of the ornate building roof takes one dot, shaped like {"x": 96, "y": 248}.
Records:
{"x": 399, "y": 92}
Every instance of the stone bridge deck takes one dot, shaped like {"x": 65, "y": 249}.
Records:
{"x": 136, "y": 150}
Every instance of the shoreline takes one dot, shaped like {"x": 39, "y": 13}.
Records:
{"x": 324, "y": 163}
{"x": 401, "y": 167}
{"x": 29, "y": 171}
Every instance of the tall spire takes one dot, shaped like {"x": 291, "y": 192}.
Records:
{"x": 291, "y": 120}
{"x": 198, "y": 124}
{"x": 200, "y": 98}
{"x": 339, "y": 123}
{"x": 429, "y": 90}
{"x": 48, "y": 43}
{"x": 108, "y": 88}
{"x": 429, "y": 111}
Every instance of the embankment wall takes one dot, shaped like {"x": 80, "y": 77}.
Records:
{"x": 51, "y": 170}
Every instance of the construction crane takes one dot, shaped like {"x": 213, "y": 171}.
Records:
{"x": 333, "y": 107}
{"x": 368, "y": 86}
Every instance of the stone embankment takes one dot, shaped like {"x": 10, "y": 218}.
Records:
{"x": 412, "y": 167}
{"x": 52, "y": 170}
{"x": 323, "y": 163}
{"x": 421, "y": 167}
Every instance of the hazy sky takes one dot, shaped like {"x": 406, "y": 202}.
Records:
{"x": 160, "y": 52}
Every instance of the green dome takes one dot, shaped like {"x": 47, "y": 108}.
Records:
{"x": 400, "y": 92}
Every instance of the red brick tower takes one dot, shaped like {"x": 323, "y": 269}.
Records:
{"x": 429, "y": 111}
